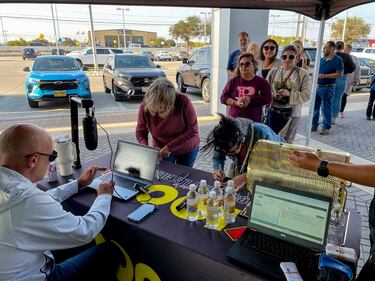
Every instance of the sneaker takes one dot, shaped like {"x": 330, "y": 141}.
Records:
{"x": 368, "y": 117}
{"x": 341, "y": 114}
{"x": 314, "y": 129}
{"x": 324, "y": 132}
{"x": 333, "y": 121}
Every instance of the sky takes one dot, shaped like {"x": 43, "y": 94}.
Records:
{"x": 18, "y": 21}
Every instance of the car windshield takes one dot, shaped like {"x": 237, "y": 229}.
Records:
{"x": 117, "y": 51}
{"x": 55, "y": 64}
{"x": 368, "y": 61}
{"x": 134, "y": 62}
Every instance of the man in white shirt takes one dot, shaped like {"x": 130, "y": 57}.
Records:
{"x": 33, "y": 222}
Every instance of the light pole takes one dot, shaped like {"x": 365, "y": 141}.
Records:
{"x": 123, "y": 22}
{"x": 2, "y": 29}
{"x": 344, "y": 28}
{"x": 273, "y": 24}
{"x": 205, "y": 24}
{"x": 54, "y": 28}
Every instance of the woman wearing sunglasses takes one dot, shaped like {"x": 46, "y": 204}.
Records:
{"x": 290, "y": 87}
{"x": 246, "y": 93}
{"x": 235, "y": 138}
{"x": 268, "y": 60}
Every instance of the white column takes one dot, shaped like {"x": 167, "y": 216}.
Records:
{"x": 226, "y": 24}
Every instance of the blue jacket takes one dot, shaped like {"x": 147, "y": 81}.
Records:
{"x": 373, "y": 83}
{"x": 261, "y": 132}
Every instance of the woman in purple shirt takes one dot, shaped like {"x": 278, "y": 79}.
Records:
{"x": 246, "y": 93}
{"x": 170, "y": 118}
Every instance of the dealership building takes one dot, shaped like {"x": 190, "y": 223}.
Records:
{"x": 115, "y": 37}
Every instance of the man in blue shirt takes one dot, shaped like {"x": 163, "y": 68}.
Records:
{"x": 243, "y": 41}
{"x": 331, "y": 67}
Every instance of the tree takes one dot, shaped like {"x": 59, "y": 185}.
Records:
{"x": 187, "y": 29}
{"x": 69, "y": 42}
{"x": 356, "y": 28}
{"x": 208, "y": 29}
{"x": 44, "y": 42}
{"x": 18, "y": 42}
{"x": 170, "y": 43}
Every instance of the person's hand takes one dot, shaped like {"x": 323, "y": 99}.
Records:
{"x": 239, "y": 181}
{"x": 321, "y": 76}
{"x": 305, "y": 160}
{"x": 285, "y": 93}
{"x": 244, "y": 101}
{"x": 219, "y": 175}
{"x": 88, "y": 175}
{"x": 106, "y": 188}
{"x": 278, "y": 96}
{"x": 163, "y": 153}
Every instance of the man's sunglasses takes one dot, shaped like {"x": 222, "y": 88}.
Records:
{"x": 51, "y": 157}
{"x": 272, "y": 48}
{"x": 246, "y": 64}
{"x": 290, "y": 57}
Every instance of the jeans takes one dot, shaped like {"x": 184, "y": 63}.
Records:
{"x": 323, "y": 98}
{"x": 371, "y": 106}
{"x": 186, "y": 159}
{"x": 337, "y": 96}
{"x": 97, "y": 263}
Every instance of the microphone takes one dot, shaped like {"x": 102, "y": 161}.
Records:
{"x": 90, "y": 131}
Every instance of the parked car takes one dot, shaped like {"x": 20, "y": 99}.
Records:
{"x": 195, "y": 72}
{"x": 366, "y": 53}
{"x": 117, "y": 50}
{"x": 29, "y": 53}
{"x": 61, "y": 52}
{"x": 369, "y": 63}
{"x": 129, "y": 75}
{"x": 163, "y": 56}
{"x": 148, "y": 54}
{"x": 366, "y": 73}
{"x": 179, "y": 56}
{"x": 55, "y": 78}
{"x": 86, "y": 57}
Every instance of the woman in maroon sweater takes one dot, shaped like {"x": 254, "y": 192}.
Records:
{"x": 170, "y": 118}
{"x": 246, "y": 93}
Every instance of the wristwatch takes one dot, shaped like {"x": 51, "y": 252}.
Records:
{"x": 322, "y": 169}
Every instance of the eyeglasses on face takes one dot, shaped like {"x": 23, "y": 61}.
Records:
{"x": 245, "y": 64}
{"x": 289, "y": 57}
{"x": 51, "y": 157}
{"x": 272, "y": 48}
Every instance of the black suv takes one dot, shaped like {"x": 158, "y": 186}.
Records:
{"x": 29, "y": 53}
{"x": 129, "y": 75}
{"x": 195, "y": 72}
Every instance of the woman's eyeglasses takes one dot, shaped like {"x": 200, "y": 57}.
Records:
{"x": 286, "y": 57}
{"x": 272, "y": 48}
{"x": 245, "y": 64}
{"x": 51, "y": 157}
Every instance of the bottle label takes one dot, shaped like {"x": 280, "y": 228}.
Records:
{"x": 192, "y": 205}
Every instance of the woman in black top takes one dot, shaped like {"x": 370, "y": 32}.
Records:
{"x": 301, "y": 59}
{"x": 268, "y": 60}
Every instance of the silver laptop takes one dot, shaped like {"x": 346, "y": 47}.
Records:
{"x": 134, "y": 164}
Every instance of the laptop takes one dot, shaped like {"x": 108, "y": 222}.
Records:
{"x": 284, "y": 225}
{"x": 134, "y": 164}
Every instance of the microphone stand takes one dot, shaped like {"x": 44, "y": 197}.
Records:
{"x": 87, "y": 104}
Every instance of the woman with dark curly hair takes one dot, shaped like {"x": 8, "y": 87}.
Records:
{"x": 268, "y": 60}
{"x": 246, "y": 93}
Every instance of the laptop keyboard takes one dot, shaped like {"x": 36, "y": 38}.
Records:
{"x": 120, "y": 181}
{"x": 305, "y": 259}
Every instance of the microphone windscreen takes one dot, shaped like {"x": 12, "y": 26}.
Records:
{"x": 90, "y": 132}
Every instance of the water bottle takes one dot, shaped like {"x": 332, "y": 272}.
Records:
{"x": 336, "y": 227}
{"x": 229, "y": 204}
{"x": 202, "y": 198}
{"x": 219, "y": 196}
{"x": 212, "y": 218}
{"x": 192, "y": 204}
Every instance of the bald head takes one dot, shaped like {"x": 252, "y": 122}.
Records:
{"x": 20, "y": 140}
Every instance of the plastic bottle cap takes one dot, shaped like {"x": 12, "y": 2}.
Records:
{"x": 229, "y": 190}
{"x": 217, "y": 184}
{"x": 203, "y": 182}
{"x": 192, "y": 187}
{"x": 212, "y": 194}
{"x": 230, "y": 183}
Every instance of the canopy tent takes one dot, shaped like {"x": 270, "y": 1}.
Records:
{"x": 317, "y": 9}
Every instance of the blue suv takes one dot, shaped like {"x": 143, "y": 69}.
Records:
{"x": 55, "y": 78}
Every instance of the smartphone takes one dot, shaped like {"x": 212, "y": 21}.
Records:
{"x": 141, "y": 213}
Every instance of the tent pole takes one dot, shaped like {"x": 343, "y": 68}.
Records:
{"x": 315, "y": 80}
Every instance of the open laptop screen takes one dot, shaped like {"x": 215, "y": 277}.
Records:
{"x": 296, "y": 216}
{"x": 136, "y": 161}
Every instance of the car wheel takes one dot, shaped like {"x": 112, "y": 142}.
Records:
{"x": 105, "y": 87}
{"x": 80, "y": 63}
{"x": 115, "y": 92}
{"x": 206, "y": 90}
{"x": 32, "y": 103}
{"x": 180, "y": 83}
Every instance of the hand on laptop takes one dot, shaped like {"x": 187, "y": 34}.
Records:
{"x": 106, "y": 188}
{"x": 88, "y": 175}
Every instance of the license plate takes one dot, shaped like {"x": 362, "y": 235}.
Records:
{"x": 144, "y": 89}
{"x": 363, "y": 81}
{"x": 60, "y": 94}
